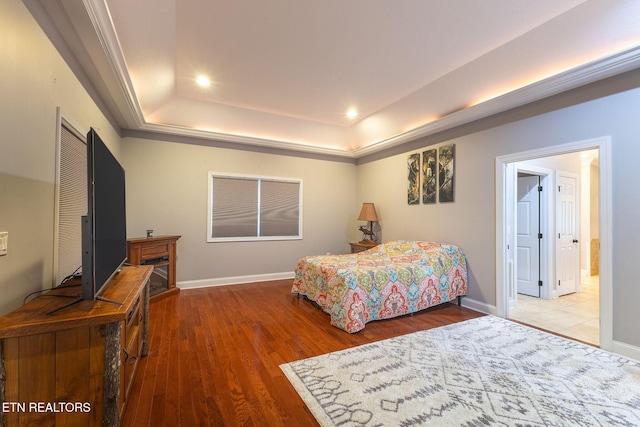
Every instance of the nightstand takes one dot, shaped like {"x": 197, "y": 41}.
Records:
{"x": 362, "y": 246}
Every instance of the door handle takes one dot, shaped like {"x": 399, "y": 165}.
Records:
{"x": 575, "y": 240}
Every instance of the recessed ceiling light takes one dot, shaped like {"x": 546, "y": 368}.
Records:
{"x": 352, "y": 113}
{"x": 203, "y": 81}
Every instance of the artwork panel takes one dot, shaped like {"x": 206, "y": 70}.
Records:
{"x": 429, "y": 176}
{"x": 446, "y": 173}
{"x": 413, "y": 179}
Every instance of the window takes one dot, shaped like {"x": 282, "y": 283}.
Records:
{"x": 254, "y": 208}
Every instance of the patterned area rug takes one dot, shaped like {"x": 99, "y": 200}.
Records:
{"x": 481, "y": 372}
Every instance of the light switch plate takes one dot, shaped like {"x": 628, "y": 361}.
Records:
{"x": 4, "y": 242}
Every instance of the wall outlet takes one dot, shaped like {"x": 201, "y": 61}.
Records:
{"x": 4, "y": 242}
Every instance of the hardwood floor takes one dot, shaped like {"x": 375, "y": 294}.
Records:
{"x": 214, "y": 354}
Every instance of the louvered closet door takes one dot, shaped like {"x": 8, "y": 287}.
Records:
{"x": 71, "y": 202}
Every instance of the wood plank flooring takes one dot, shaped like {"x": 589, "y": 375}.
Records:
{"x": 214, "y": 354}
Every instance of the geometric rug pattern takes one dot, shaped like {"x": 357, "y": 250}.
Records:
{"x": 486, "y": 371}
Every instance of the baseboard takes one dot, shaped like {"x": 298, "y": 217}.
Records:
{"x": 627, "y": 350}
{"x": 479, "y": 306}
{"x": 235, "y": 280}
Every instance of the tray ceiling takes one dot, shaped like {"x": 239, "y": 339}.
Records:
{"x": 284, "y": 73}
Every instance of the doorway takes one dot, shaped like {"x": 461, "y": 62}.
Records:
{"x": 506, "y": 240}
{"x": 558, "y": 304}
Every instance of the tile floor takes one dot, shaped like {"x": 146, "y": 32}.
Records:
{"x": 574, "y": 315}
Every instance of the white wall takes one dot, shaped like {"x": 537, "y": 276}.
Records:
{"x": 470, "y": 220}
{"x": 34, "y": 81}
{"x": 167, "y": 187}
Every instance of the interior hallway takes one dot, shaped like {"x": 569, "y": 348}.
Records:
{"x": 575, "y": 315}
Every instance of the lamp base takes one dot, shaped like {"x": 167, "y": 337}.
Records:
{"x": 368, "y": 232}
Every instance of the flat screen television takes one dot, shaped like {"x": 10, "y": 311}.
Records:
{"x": 104, "y": 232}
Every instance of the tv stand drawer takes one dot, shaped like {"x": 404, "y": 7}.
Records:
{"x": 130, "y": 357}
{"x": 154, "y": 251}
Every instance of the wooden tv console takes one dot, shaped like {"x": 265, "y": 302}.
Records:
{"x": 75, "y": 366}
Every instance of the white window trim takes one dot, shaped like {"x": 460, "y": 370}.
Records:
{"x": 210, "y": 239}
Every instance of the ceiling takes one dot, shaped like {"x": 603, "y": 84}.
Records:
{"x": 284, "y": 73}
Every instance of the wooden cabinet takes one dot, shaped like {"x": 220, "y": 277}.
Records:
{"x": 362, "y": 246}
{"x": 160, "y": 252}
{"x": 74, "y": 367}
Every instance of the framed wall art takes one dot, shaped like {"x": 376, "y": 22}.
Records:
{"x": 429, "y": 176}
{"x": 446, "y": 173}
{"x": 413, "y": 179}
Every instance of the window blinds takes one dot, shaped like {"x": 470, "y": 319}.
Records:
{"x": 235, "y": 207}
{"x": 71, "y": 202}
{"x": 279, "y": 208}
{"x": 252, "y": 208}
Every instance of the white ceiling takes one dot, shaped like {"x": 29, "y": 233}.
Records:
{"x": 285, "y": 72}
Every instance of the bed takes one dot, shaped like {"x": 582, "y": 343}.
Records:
{"x": 389, "y": 280}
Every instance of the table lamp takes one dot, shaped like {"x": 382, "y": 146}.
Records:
{"x": 368, "y": 213}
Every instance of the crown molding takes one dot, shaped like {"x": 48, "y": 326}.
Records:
{"x": 245, "y": 140}
{"x": 105, "y": 31}
{"x": 591, "y": 72}
{"x": 588, "y": 73}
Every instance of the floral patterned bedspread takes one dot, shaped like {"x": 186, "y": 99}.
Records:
{"x": 389, "y": 280}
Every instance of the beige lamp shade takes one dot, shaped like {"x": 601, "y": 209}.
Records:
{"x": 368, "y": 213}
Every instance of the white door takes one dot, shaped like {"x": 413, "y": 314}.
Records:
{"x": 528, "y": 240}
{"x": 568, "y": 252}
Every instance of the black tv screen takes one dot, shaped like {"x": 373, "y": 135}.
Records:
{"x": 104, "y": 236}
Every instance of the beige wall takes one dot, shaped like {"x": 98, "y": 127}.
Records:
{"x": 463, "y": 222}
{"x": 167, "y": 187}
{"x": 34, "y": 82}
{"x": 470, "y": 220}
